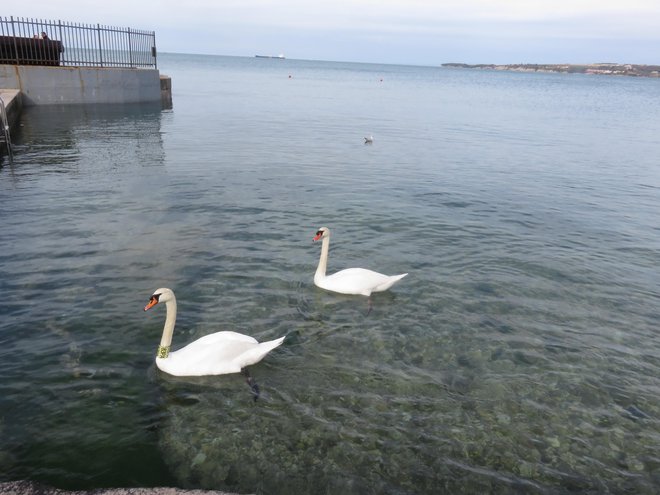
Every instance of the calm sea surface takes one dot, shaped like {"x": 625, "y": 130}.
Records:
{"x": 521, "y": 354}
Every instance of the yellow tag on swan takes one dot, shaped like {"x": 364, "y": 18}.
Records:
{"x": 163, "y": 352}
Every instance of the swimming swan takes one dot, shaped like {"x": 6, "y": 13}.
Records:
{"x": 358, "y": 281}
{"x": 214, "y": 354}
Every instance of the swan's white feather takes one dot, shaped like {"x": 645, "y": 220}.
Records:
{"x": 216, "y": 354}
{"x": 358, "y": 281}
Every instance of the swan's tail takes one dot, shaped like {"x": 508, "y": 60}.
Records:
{"x": 257, "y": 353}
{"x": 272, "y": 344}
{"x": 389, "y": 282}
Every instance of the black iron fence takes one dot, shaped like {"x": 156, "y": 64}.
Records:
{"x": 39, "y": 42}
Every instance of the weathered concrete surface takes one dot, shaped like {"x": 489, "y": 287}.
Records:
{"x": 81, "y": 85}
{"x": 13, "y": 104}
{"x": 166, "y": 91}
{"x": 13, "y": 101}
{"x": 29, "y": 488}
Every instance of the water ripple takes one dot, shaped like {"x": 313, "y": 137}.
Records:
{"x": 519, "y": 356}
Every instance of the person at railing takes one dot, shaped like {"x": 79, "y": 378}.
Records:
{"x": 44, "y": 36}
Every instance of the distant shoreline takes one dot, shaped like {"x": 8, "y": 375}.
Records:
{"x": 600, "y": 69}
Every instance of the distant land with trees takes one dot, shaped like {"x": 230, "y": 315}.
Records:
{"x": 603, "y": 69}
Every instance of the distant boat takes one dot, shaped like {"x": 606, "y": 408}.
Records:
{"x": 280, "y": 56}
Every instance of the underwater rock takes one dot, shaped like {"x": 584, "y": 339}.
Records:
{"x": 635, "y": 413}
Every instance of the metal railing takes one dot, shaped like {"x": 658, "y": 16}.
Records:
{"x": 26, "y": 41}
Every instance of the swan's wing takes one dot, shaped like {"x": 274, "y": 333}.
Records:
{"x": 391, "y": 280}
{"x": 258, "y": 352}
{"x": 215, "y": 354}
{"x": 212, "y": 338}
{"x": 354, "y": 281}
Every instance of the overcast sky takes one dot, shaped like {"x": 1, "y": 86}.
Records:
{"x": 418, "y": 32}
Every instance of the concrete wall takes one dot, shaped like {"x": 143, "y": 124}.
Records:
{"x": 72, "y": 85}
{"x": 13, "y": 105}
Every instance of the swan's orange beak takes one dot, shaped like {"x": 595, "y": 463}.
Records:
{"x": 317, "y": 236}
{"x": 152, "y": 302}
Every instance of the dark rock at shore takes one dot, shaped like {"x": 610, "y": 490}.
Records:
{"x": 30, "y": 488}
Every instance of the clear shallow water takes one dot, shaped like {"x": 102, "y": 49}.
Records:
{"x": 520, "y": 355}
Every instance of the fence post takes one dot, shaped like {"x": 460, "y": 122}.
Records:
{"x": 153, "y": 49}
{"x": 98, "y": 28}
{"x": 59, "y": 31}
{"x": 130, "y": 49}
{"x": 13, "y": 33}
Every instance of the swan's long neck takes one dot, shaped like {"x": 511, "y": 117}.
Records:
{"x": 323, "y": 261}
{"x": 168, "y": 330}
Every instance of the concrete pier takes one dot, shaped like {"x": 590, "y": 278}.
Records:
{"x": 13, "y": 101}
{"x": 81, "y": 85}
{"x": 166, "y": 91}
{"x": 37, "y": 85}
{"x": 13, "y": 104}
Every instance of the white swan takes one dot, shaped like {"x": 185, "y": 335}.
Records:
{"x": 214, "y": 354}
{"x": 358, "y": 281}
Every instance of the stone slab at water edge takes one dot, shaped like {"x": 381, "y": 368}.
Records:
{"x": 29, "y": 488}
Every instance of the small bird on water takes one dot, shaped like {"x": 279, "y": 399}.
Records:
{"x": 369, "y": 139}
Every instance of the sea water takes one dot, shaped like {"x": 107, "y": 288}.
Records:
{"x": 520, "y": 355}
